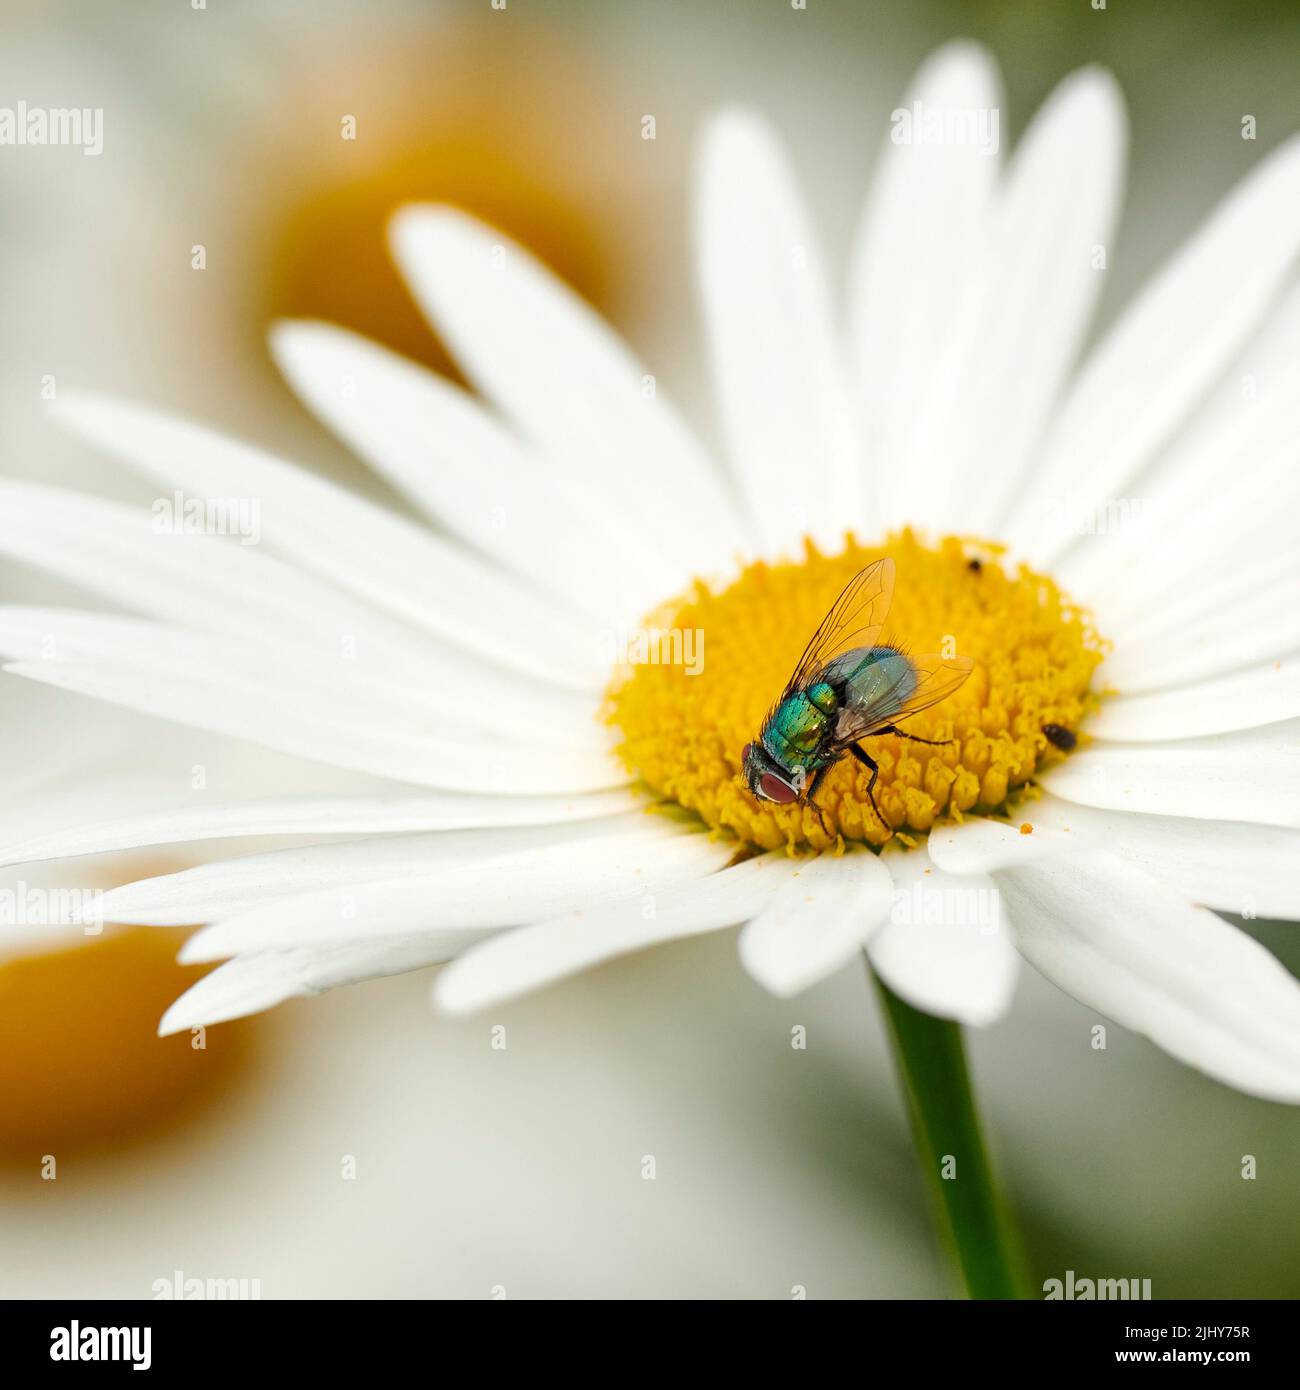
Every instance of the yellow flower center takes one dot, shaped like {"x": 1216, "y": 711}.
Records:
{"x": 711, "y": 665}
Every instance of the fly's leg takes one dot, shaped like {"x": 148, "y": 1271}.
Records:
{"x": 816, "y": 782}
{"x": 933, "y": 742}
{"x": 870, "y": 763}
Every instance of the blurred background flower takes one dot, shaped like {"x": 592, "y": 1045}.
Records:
{"x": 476, "y": 1166}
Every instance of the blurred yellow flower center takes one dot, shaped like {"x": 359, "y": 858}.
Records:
{"x": 684, "y": 721}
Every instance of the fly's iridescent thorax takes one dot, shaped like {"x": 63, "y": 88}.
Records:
{"x": 800, "y": 726}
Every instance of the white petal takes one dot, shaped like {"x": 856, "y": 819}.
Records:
{"x": 226, "y": 887}
{"x": 944, "y": 948}
{"x": 421, "y": 691}
{"x": 1230, "y": 865}
{"x": 1242, "y": 700}
{"x": 226, "y": 707}
{"x": 1148, "y": 550}
{"x": 437, "y": 445}
{"x": 981, "y": 845}
{"x": 467, "y": 895}
{"x": 208, "y": 583}
{"x": 1003, "y": 369}
{"x": 785, "y": 410}
{"x": 388, "y": 560}
{"x": 201, "y": 581}
{"x": 1257, "y": 626}
{"x": 816, "y": 922}
{"x": 272, "y": 698}
{"x": 531, "y": 345}
{"x": 1233, "y": 866}
{"x": 263, "y": 979}
{"x": 1248, "y": 776}
{"x": 1177, "y": 554}
{"x": 1179, "y": 333}
{"x": 516, "y": 962}
{"x": 312, "y": 815}
{"x": 915, "y": 258}
{"x": 1130, "y": 947}
{"x": 1217, "y": 598}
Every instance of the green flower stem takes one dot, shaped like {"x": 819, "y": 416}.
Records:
{"x": 931, "y": 1060}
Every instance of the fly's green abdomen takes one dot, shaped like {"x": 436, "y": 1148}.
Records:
{"x": 878, "y": 679}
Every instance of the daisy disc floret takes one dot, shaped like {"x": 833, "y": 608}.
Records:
{"x": 683, "y": 726}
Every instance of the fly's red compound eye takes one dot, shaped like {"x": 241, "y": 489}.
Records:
{"x": 745, "y": 752}
{"x": 775, "y": 789}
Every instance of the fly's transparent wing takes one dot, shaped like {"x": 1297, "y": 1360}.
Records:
{"x": 887, "y": 689}
{"x": 855, "y": 620}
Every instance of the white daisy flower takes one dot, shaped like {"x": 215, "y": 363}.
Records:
{"x": 478, "y": 662}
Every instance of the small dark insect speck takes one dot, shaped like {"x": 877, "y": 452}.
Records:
{"x": 1060, "y": 737}
{"x": 975, "y": 563}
